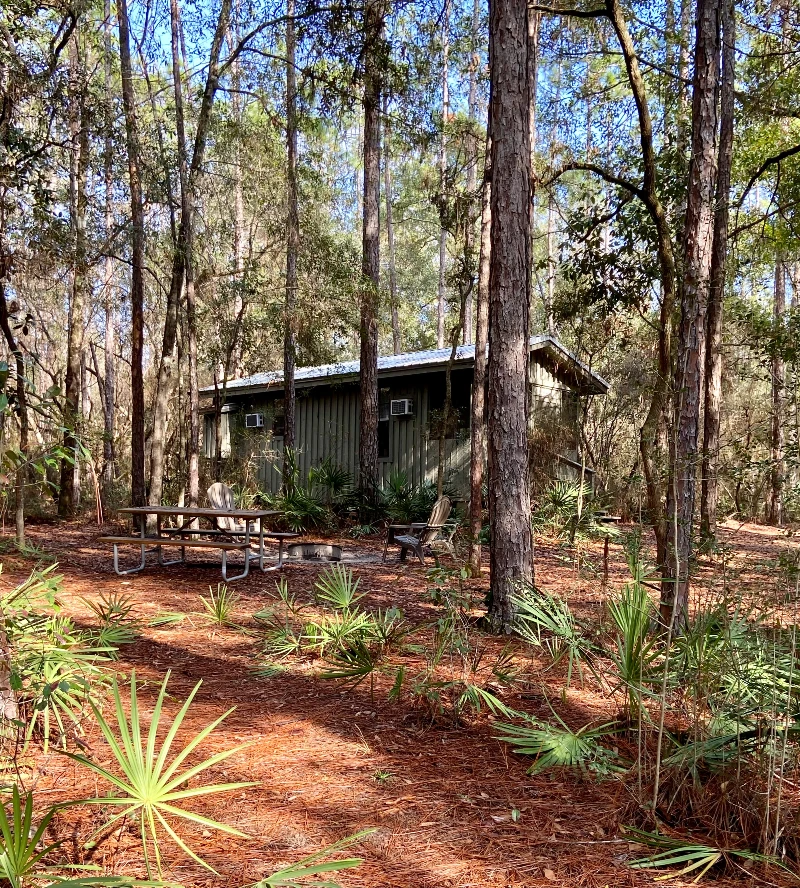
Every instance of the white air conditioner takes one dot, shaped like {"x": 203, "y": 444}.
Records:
{"x": 402, "y": 407}
{"x": 254, "y": 420}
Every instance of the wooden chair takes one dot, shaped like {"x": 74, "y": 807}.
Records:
{"x": 220, "y": 496}
{"x": 444, "y": 541}
{"x": 428, "y": 534}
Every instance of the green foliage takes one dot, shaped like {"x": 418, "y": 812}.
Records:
{"x": 334, "y": 481}
{"x": 118, "y": 626}
{"x": 635, "y": 650}
{"x": 690, "y": 856}
{"x": 56, "y": 670}
{"x": 149, "y": 787}
{"x": 300, "y": 506}
{"x": 570, "y": 511}
{"x": 557, "y": 746}
{"x": 336, "y": 587}
{"x": 306, "y": 873}
{"x": 21, "y": 852}
{"x": 405, "y": 502}
{"x": 546, "y": 620}
{"x": 220, "y": 604}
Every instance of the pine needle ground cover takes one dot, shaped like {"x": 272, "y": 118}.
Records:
{"x": 453, "y": 806}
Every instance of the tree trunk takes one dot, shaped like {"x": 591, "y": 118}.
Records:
{"x": 698, "y": 236}
{"x": 236, "y": 361}
{"x": 387, "y": 194}
{"x": 511, "y": 546}
{"x": 79, "y": 139}
{"x": 775, "y": 504}
{"x": 374, "y": 14}
{"x": 187, "y": 215}
{"x": 477, "y": 453}
{"x": 138, "y": 488}
{"x": 20, "y": 476}
{"x": 292, "y": 246}
{"x": 472, "y": 161}
{"x": 166, "y": 369}
{"x": 441, "y": 293}
{"x": 712, "y": 400}
{"x": 653, "y": 425}
{"x": 109, "y": 338}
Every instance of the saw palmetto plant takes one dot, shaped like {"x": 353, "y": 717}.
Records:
{"x": 150, "y": 774}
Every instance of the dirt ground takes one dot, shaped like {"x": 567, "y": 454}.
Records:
{"x": 444, "y": 815}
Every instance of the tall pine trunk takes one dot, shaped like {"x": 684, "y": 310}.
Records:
{"x": 698, "y": 239}
{"x": 20, "y": 476}
{"x": 477, "y": 453}
{"x": 441, "y": 292}
{"x": 511, "y": 545}
{"x": 109, "y": 337}
{"x": 79, "y": 161}
{"x": 778, "y": 386}
{"x": 187, "y": 211}
{"x": 370, "y": 262}
{"x": 472, "y": 162}
{"x": 138, "y": 488}
{"x": 166, "y": 368}
{"x": 712, "y": 394}
{"x": 292, "y": 245}
{"x": 387, "y": 196}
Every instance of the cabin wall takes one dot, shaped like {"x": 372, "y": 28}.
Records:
{"x": 327, "y": 423}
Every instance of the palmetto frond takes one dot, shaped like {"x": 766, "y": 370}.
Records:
{"x": 149, "y": 781}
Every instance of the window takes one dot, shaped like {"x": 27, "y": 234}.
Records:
{"x": 384, "y": 424}
{"x": 278, "y": 423}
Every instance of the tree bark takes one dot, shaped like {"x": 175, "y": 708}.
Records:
{"x": 698, "y": 237}
{"x": 511, "y": 546}
{"x": 15, "y": 348}
{"x": 166, "y": 369}
{"x": 472, "y": 161}
{"x": 778, "y": 386}
{"x": 374, "y": 15}
{"x": 138, "y": 489}
{"x": 292, "y": 246}
{"x": 79, "y": 139}
{"x": 187, "y": 215}
{"x": 477, "y": 453}
{"x": 648, "y": 194}
{"x": 712, "y": 394}
{"x": 441, "y": 292}
{"x": 387, "y": 194}
{"x": 109, "y": 337}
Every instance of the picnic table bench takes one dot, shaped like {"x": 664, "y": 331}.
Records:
{"x": 249, "y": 540}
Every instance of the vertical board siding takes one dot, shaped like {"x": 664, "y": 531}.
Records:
{"x": 328, "y": 426}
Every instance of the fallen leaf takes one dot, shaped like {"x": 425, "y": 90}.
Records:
{"x": 549, "y": 875}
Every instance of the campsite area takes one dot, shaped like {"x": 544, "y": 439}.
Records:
{"x": 451, "y": 805}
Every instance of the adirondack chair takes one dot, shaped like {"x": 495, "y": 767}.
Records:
{"x": 427, "y": 535}
{"x": 220, "y": 496}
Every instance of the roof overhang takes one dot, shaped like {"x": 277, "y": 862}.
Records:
{"x": 556, "y": 357}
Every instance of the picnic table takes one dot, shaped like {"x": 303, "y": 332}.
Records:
{"x": 249, "y": 540}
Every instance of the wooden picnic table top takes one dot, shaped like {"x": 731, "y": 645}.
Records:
{"x": 197, "y": 512}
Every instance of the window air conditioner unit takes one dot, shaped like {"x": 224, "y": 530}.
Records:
{"x": 254, "y": 420}
{"x": 402, "y": 407}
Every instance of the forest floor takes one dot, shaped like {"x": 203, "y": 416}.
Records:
{"x": 330, "y": 761}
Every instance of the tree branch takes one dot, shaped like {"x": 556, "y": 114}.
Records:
{"x": 602, "y": 173}
{"x": 569, "y": 13}
{"x": 775, "y": 160}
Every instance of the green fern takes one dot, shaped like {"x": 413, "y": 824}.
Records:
{"x": 560, "y": 747}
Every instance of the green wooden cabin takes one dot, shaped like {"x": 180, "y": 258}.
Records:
{"x": 412, "y": 394}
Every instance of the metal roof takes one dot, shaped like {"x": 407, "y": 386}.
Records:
{"x": 414, "y": 362}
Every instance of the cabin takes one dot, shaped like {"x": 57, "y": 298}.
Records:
{"x": 411, "y": 402}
